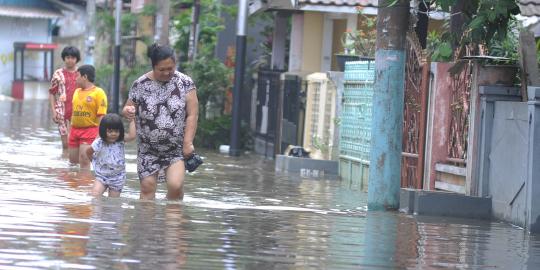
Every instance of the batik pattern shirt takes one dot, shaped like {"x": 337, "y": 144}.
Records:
{"x": 160, "y": 119}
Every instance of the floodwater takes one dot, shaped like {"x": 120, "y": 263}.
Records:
{"x": 237, "y": 214}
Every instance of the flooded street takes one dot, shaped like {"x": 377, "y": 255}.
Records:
{"x": 237, "y": 214}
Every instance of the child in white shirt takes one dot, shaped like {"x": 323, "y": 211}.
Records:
{"x": 107, "y": 155}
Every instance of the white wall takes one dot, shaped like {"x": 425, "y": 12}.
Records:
{"x": 21, "y": 30}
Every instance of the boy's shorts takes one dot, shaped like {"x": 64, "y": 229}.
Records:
{"x": 78, "y": 136}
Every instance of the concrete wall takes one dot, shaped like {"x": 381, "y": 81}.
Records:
{"x": 509, "y": 154}
{"x": 312, "y": 44}
{"x": 21, "y": 30}
{"x": 508, "y": 158}
{"x": 438, "y": 122}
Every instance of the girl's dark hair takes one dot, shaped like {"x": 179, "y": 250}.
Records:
{"x": 158, "y": 53}
{"x": 71, "y": 51}
{"x": 111, "y": 121}
{"x": 89, "y": 71}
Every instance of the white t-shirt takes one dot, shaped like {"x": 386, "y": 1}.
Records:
{"x": 109, "y": 160}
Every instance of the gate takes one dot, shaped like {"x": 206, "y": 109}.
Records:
{"x": 268, "y": 84}
{"x": 414, "y": 114}
{"x": 292, "y": 104}
{"x": 459, "y": 110}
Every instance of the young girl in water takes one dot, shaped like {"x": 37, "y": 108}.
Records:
{"x": 107, "y": 155}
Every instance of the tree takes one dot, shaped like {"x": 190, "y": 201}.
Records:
{"x": 476, "y": 24}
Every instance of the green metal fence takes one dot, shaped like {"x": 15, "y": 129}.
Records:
{"x": 355, "y": 122}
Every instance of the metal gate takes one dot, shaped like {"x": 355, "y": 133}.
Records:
{"x": 268, "y": 84}
{"x": 292, "y": 104}
{"x": 414, "y": 114}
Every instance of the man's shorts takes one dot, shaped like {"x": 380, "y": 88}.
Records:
{"x": 78, "y": 136}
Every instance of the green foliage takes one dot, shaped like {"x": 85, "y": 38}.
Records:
{"x": 264, "y": 48}
{"x": 486, "y": 23}
{"x": 363, "y": 40}
{"x": 211, "y": 22}
{"x": 212, "y": 78}
{"x": 439, "y": 50}
{"x": 103, "y": 76}
{"x": 508, "y": 47}
{"x": 211, "y": 133}
{"x": 210, "y": 75}
{"x": 131, "y": 69}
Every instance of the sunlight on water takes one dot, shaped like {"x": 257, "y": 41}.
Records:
{"x": 237, "y": 214}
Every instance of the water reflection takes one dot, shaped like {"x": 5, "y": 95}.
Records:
{"x": 237, "y": 214}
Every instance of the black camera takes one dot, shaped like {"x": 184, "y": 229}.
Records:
{"x": 193, "y": 162}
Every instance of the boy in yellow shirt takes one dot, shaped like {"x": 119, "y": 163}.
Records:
{"x": 89, "y": 106}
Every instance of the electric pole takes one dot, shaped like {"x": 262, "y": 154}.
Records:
{"x": 90, "y": 32}
{"x": 239, "y": 68}
{"x": 194, "y": 31}
{"x": 388, "y": 95}
{"x": 117, "y": 42}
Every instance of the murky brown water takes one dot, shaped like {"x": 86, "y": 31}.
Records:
{"x": 236, "y": 215}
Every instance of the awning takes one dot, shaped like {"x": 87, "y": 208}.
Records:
{"x": 28, "y": 12}
{"x": 529, "y": 7}
{"x": 354, "y": 3}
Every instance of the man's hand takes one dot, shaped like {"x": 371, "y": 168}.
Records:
{"x": 129, "y": 112}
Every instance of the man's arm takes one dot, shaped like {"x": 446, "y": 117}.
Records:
{"x": 192, "y": 110}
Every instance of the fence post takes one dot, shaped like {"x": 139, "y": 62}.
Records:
{"x": 533, "y": 174}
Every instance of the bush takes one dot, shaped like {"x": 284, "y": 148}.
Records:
{"x": 211, "y": 133}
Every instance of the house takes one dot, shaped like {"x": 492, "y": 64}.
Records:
{"x": 25, "y": 21}
{"x": 315, "y": 38}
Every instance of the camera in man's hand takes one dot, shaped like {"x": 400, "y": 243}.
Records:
{"x": 193, "y": 162}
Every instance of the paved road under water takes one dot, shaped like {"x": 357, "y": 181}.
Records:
{"x": 237, "y": 214}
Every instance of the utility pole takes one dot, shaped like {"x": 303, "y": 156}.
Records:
{"x": 239, "y": 68}
{"x": 90, "y": 32}
{"x": 388, "y": 95}
{"x": 194, "y": 31}
{"x": 117, "y": 42}
{"x": 162, "y": 22}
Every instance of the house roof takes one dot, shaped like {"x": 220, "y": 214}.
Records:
{"x": 365, "y": 3}
{"x": 28, "y": 12}
{"x": 529, "y": 7}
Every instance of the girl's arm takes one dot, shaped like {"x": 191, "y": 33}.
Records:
{"x": 90, "y": 152}
{"x": 130, "y": 136}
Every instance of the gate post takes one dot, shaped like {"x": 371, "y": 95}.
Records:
{"x": 533, "y": 174}
{"x": 488, "y": 96}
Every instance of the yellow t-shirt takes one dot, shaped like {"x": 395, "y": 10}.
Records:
{"x": 87, "y": 106}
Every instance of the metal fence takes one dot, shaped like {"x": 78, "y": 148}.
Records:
{"x": 355, "y": 123}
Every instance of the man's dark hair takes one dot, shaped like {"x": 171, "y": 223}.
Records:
{"x": 71, "y": 51}
{"x": 111, "y": 121}
{"x": 158, "y": 53}
{"x": 89, "y": 71}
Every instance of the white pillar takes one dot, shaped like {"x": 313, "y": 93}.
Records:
{"x": 297, "y": 37}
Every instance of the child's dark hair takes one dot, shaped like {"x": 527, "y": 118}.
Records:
{"x": 158, "y": 53}
{"x": 89, "y": 71}
{"x": 111, "y": 121}
{"x": 71, "y": 51}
